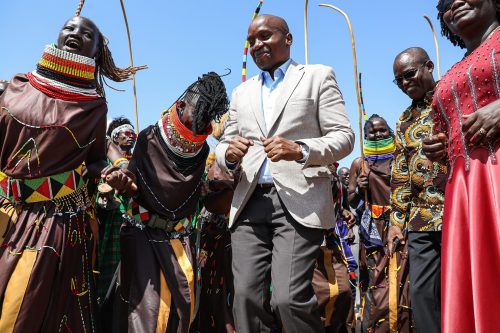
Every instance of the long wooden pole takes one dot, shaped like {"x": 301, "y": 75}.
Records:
{"x": 436, "y": 44}
{"x": 358, "y": 95}
{"x": 79, "y": 8}
{"x": 306, "y": 41}
{"x": 131, "y": 66}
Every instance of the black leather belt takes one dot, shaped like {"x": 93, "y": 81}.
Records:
{"x": 158, "y": 222}
{"x": 265, "y": 186}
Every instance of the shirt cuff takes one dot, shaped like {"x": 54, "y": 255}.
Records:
{"x": 305, "y": 152}
{"x": 231, "y": 166}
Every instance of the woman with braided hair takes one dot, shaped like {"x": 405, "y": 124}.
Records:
{"x": 466, "y": 106}
{"x": 52, "y": 121}
{"x": 164, "y": 180}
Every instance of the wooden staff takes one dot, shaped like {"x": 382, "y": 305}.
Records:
{"x": 247, "y": 45}
{"x": 358, "y": 96}
{"x": 131, "y": 66}
{"x": 436, "y": 45}
{"x": 306, "y": 42}
{"x": 353, "y": 45}
{"x": 79, "y": 8}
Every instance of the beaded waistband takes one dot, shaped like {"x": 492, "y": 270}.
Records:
{"x": 49, "y": 188}
{"x": 140, "y": 217}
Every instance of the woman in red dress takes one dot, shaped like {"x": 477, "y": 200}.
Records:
{"x": 467, "y": 127}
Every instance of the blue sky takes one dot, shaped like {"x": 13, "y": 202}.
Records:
{"x": 180, "y": 40}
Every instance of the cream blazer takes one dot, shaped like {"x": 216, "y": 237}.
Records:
{"x": 310, "y": 109}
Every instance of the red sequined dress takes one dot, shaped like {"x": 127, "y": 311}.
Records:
{"x": 471, "y": 223}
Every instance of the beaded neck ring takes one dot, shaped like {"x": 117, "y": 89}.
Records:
{"x": 379, "y": 150}
{"x": 178, "y": 138}
{"x": 64, "y": 75}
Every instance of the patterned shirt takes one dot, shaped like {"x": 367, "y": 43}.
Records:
{"x": 417, "y": 184}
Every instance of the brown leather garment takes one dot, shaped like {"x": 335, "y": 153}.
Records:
{"x": 60, "y": 147}
{"x": 161, "y": 188}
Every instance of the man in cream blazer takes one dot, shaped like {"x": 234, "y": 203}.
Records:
{"x": 285, "y": 127}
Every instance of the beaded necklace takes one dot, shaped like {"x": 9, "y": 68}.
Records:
{"x": 64, "y": 75}
{"x": 178, "y": 138}
{"x": 379, "y": 150}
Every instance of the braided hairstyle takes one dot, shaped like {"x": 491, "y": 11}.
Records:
{"x": 208, "y": 95}
{"x": 370, "y": 122}
{"x": 442, "y": 7}
{"x": 105, "y": 65}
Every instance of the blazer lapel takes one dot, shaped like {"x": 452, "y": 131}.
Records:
{"x": 255, "y": 97}
{"x": 292, "y": 78}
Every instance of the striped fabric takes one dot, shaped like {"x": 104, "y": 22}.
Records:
{"x": 41, "y": 189}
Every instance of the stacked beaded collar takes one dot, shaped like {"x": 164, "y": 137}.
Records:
{"x": 379, "y": 150}
{"x": 64, "y": 75}
{"x": 178, "y": 138}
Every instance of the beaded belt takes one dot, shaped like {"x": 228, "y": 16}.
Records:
{"x": 378, "y": 211}
{"x": 41, "y": 189}
{"x": 142, "y": 216}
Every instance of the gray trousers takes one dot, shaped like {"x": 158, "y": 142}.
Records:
{"x": 272, "y": 250}
{"x": 424, "y": 249}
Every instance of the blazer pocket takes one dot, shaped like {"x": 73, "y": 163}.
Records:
{"x": 319, "y": 171}
{"x": 301, "y": 101}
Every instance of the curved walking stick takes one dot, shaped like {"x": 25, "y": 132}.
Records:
{"x": 353, "y": 45}
{"x": 358, "y": 95}
{"x": 245, "y": 50}
{"x": 131, "y": 66}
{"x": 436, "y": 45}
{"x": 306, "y": 41}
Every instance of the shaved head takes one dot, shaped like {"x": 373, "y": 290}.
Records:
{"x": 276, "y": 21}
{"x": 415, "y": 53}
{"x": 413, "y": 73}
{"x": 270, "y": 41}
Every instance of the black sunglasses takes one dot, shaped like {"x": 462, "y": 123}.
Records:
{"x": 409, "y": 74}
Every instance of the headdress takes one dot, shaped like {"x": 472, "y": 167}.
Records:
{"x": 116, "y": 131}
{"x": 209, "y": 98}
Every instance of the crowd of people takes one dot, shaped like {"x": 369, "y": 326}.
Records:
{"x": 106, "y": 230}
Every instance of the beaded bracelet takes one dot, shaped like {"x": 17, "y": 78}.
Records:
{"x": 120, "y": 162}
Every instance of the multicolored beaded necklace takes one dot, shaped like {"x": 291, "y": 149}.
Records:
{"x": 379, "y": 150}
{"x": 178, "y": 138}
{"x": 64, "y": 75}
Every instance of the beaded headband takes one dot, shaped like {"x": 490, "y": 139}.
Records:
{"x": 124, "y": 127}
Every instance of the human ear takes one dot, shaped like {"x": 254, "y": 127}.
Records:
{"x": 430, "y": 65}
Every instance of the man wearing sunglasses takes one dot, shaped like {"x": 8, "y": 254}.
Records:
{"x": 121, "y": 132}
{"x": 417, "y": 189}
{"x": 121, "y": 140}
